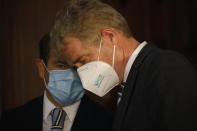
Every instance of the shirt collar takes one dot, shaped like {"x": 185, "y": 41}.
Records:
{"x": 132, "y": 59}
{"x": 70, "y": 110}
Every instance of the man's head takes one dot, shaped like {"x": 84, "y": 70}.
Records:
{"x": 48, "y": 58}
{"x": 79, "y": 28}
{"x": 51, "y": 69}
{"x": 88, "y": 30}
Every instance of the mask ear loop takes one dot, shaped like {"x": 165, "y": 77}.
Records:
{"x": 45, "y": 83}
{"x": 99, "y": 51}
{"x": 45, "y": 66}
{"x": 114, "y": 53}
{"x": 47, "y": 71}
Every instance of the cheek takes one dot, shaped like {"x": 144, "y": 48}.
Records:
{"x": 82, "y": 62}
{"x": 92, "y": 57}
{"x": 106, "y": 59}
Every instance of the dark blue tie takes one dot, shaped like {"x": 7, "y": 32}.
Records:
{"x": 58, "y": 117}
{"x": 122, "y": 86}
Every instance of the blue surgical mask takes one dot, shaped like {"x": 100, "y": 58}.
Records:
{"x": 65, "y": 86}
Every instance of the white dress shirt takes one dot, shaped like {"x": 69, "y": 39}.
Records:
{"x": 129, "y": 65}
{"x": 132, "y": 59}
{"x": 70, "y": 110}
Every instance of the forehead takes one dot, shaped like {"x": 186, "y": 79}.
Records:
{"x": 53, "y": 54}
{"x": 73, "y": 49}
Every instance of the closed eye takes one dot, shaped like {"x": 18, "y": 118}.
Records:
{"x": 62, "y": 66}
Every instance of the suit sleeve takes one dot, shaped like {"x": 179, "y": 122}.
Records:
{"x": 176, "y": 84}
{"x": 4, "y": 122}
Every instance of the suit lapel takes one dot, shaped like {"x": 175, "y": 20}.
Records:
{"x": 37, "y": 115}
{"x": 92, "y": 117}
{"x": 79, "y": 116}
{"x": 130, "y": 87}
{"x": 83, "y": 117}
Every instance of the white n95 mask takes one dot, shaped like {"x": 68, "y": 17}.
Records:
{"x": 99, "y": 77}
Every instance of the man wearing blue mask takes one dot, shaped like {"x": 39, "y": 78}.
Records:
{"x": 64, "y": 105}
{"x": 160, "y": 87}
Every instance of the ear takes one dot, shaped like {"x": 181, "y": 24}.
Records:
{"x": 40, "y": 66}
{"x": 109, "y": 36}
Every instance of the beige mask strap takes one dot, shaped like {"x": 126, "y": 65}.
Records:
{"x": 99, "y": 51}
{"x": 47, "y": 71}
{"x": 45, "y": 66}
{"x": 114, "y": 53}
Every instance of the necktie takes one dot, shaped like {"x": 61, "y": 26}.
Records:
{"x": 58, "y": 116}
{"x": 122, "y": 86}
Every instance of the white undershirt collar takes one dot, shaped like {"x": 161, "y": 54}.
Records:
{"x": 132, "y": 59}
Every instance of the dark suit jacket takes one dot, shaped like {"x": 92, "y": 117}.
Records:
{"x": 90, "y": 117}
{"x": 160, "y": 94}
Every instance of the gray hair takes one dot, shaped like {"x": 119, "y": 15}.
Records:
{"x": 84, "y": 20}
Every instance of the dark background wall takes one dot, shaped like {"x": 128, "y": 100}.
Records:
{"x": 170, "y": 24}
{"x": 23, "y": 22}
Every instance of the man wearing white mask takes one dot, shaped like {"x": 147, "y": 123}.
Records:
{"x": 160, "y": 86}
{"x": 64, "y": 105}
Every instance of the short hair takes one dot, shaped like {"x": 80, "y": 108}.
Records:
{"x": 84, "y": 20}
{"x": 44, "y": 48}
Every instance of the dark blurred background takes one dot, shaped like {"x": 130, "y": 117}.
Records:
{"x": 170, "y": 24}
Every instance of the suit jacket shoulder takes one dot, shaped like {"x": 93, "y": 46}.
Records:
{"x": 26, "y": 117}
{"x": 160, "y": 93}
{"x": 92, "y": 117}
